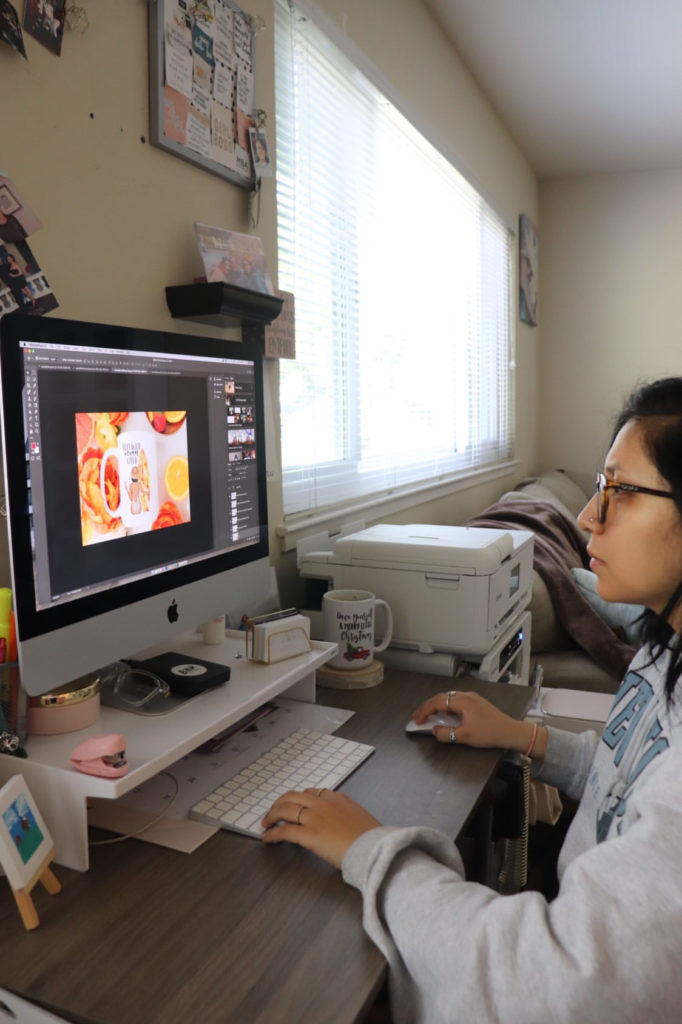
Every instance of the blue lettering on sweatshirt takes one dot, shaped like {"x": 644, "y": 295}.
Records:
{"x": 618, "y": 735}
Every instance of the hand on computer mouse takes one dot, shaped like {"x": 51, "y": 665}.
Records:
{"x": 481, "y": 724}
{"x": 439, "y": 718}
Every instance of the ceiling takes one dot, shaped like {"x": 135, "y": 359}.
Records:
{"x": 584, "y": 86}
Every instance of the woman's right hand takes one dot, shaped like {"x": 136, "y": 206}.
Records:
{"x": 482, "y": 724}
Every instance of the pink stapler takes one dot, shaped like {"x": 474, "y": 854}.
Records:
{"x": 101, "y": 755}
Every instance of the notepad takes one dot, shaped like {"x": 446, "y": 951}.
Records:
{"x": 584, "y": 704}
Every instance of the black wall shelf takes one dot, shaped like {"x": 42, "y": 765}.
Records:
{"x": 221, "y": 304}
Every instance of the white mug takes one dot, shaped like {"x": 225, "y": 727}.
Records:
{"x": 348, "y": 617}
{"x": 213, "y": 631}
{"x": 135, "y": 454}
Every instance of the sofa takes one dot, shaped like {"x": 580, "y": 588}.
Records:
{"x": 581, "y": 641}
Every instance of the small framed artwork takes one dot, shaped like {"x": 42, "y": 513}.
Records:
{"x": 24, "y": 839}
{"x": 26, "y": 847}
{"x": 528, "y": 271}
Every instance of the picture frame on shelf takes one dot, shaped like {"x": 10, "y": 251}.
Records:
{"x": 26, "y": 847}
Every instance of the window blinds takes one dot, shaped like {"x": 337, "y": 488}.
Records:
{"x": 402, "y": 279}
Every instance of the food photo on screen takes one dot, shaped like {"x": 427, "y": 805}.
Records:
{"x": 133, "y": 472}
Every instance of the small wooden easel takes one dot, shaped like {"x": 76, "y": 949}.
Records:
{"x": 49, "y": 881}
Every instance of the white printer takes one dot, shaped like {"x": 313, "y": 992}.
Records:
{"x": 452, "y": 589}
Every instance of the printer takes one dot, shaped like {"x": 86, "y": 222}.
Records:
{"x": 455, "y": 589}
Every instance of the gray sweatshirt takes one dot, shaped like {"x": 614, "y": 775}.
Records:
{"x": 608, "y": 949}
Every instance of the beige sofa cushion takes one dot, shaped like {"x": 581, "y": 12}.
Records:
{"x": 538, "y": 492}
{"x": 569, "y": 493}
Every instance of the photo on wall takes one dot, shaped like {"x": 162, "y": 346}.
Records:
{"x": 17, "y": 219}
{"x": 528, "y": 271}
{"x": 10, "y": 29}
{"x": 23, "y": 285}
{"x": 44, "y": 20}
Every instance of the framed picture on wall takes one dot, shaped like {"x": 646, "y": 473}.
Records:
{"x": 528, "y": 271}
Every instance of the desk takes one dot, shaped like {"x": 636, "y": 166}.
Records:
{"x": 239, "y": 931}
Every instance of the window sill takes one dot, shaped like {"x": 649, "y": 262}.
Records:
{"x": 334, "y": 519}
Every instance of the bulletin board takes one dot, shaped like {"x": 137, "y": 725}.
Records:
{"x": 201, "y": 84}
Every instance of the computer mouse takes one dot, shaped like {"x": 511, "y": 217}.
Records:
{"x": 447, "y": 718}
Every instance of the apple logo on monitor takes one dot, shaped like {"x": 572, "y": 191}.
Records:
{"x": 172, "y": 611}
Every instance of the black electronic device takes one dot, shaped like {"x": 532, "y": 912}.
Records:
{"x": 185, "y": 674}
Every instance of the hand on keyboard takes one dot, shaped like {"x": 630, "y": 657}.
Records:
{"x": 325, "y": 822}
{"x": 301, "y": 759}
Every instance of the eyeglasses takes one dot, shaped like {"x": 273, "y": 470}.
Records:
{"x": 135, "y": 687}
{"x": 604, "y": 487}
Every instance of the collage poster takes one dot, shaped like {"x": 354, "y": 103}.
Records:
{"x": 208, "y": 81}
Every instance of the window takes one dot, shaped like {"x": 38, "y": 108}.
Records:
{"x": 402, "y": 278}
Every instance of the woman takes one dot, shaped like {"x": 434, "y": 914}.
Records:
{"x": 608, "y": 948}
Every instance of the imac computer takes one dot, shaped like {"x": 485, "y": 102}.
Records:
{"x": 135, "y": 488}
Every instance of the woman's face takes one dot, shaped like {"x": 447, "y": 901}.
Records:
{"x": 637, "y": 553}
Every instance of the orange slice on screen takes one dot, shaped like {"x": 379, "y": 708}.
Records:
{"x": 174, "y": 417}
{"x": 176, "y": 477}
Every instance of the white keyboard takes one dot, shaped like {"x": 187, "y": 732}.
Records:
{"x": 301, "y": 759}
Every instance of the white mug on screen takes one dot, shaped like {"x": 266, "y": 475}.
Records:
{"x": 135, "y": 455}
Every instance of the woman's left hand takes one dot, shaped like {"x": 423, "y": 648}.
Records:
{"x": 320, "y": 820}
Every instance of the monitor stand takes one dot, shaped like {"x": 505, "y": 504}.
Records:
{"x": 153, "y": 743}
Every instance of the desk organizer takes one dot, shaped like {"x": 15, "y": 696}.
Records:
{"x": 270, "y": 642}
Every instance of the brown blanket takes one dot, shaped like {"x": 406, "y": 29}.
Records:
{"x": 559, "y": 547}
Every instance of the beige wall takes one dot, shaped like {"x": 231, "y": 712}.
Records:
{"x": 611, "y": 260}
{"x": 118, "y": 213}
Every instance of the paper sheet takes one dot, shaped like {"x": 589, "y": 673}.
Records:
{"x": 585, "y": 704}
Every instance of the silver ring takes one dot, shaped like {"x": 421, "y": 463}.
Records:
{"x": 453, "y": 738}
{"x": 321, "y": 791}
{"x": 300, "y": 812}
{"x": 451, "y": 693}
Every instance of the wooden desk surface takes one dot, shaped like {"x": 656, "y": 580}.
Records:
{"x": 239, "y": 931}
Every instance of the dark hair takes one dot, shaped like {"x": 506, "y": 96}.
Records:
{"x": 657, "y": 408}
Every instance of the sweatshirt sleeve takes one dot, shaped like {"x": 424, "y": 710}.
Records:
{"x": 607, "y": 950}
{"x": 567, "y": 760}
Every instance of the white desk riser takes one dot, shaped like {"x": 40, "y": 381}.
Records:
{"x": 154, "y": 742}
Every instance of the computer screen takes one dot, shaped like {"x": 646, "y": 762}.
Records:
{"x": 135, "y": 480}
